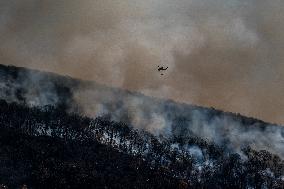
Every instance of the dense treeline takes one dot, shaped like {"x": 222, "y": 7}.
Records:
{"x": 49, "y": 148}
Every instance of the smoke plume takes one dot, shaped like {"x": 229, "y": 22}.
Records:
{"x": 225, "y": 53}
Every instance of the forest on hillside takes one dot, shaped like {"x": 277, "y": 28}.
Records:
{"x": 159, "y": 116}
{"x": 48, "y": 147}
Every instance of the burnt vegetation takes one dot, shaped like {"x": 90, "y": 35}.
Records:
{"x": 49, "y": 148}
{"x": 55, "y": 146}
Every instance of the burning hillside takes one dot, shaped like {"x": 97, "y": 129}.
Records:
{"x": 160, "y": 117}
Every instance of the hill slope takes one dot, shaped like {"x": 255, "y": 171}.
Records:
{"x": 231, "y": 131}
{"x": 49, "y": 148}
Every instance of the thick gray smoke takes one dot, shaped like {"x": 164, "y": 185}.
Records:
{"x": 224, "y": 53}
{"x": 168, "y": 118}
{"x": 32, "y": 88}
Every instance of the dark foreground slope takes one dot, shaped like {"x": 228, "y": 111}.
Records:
{"x": 49, "y": 148}
{"x": 45, "y": 162}
{"x": 50, "y": 160}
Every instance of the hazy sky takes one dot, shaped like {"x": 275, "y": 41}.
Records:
{"x": 222, "y": 53}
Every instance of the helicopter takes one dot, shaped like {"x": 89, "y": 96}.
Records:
{"x": 161, "y": 68}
